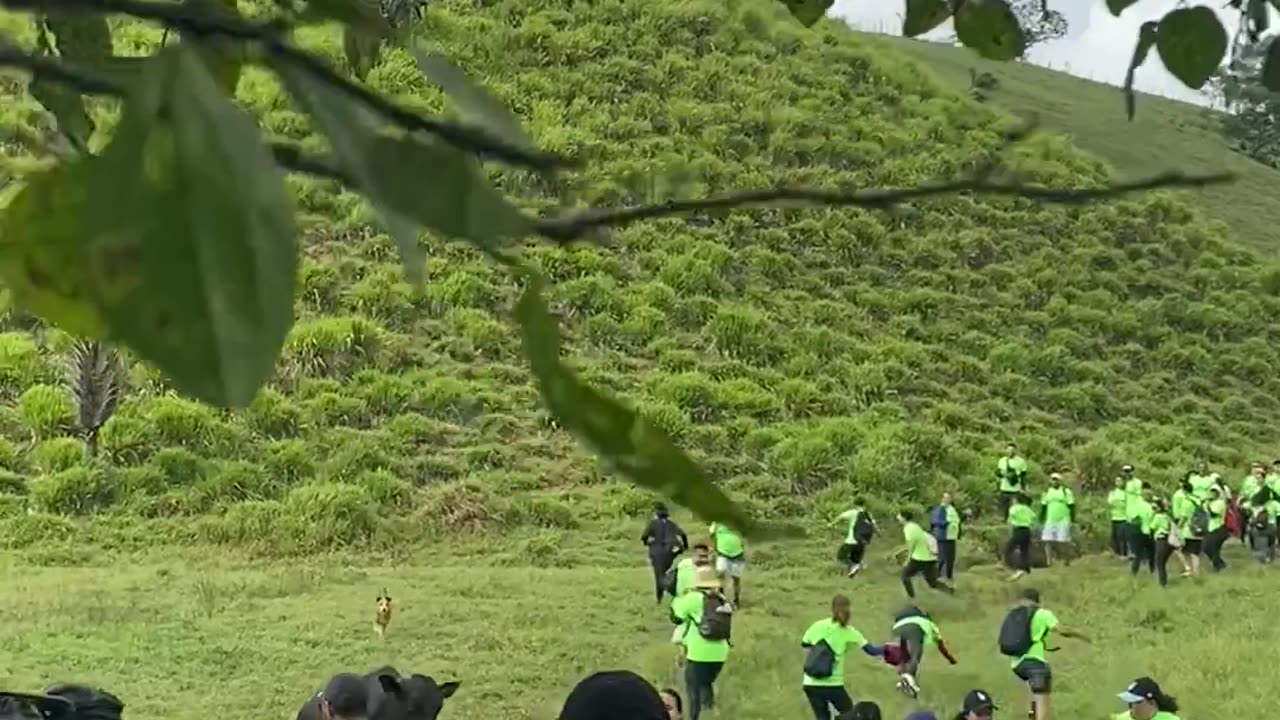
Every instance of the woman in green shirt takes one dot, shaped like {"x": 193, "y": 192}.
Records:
{"x": 1147, "y": 702}
{"x": 1182, "y": 509}
{"x": 1161, "y": 525}
{"x": 1017, "y": 552}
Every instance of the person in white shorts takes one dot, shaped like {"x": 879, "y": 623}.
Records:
{"x": 1057, "y": 511}
{"x": 731, "y": 557}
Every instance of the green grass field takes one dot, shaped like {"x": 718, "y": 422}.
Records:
{"x": 198, "y": 634}
{"x": 1164, "y": 135}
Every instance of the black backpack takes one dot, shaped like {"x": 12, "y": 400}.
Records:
{"x": 863, "y": 530}
{"x": 820, "y": 661}
{"x": 717, "y": 618}
{"x": 1262, "y": 520}
{"x": 1200, "y": 521}
{"x": 1015, "y": 631}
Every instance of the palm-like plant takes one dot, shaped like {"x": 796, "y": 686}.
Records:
{"x": 96, "y": 376}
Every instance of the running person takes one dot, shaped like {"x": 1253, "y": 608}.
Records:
{"x": 915, "y": 631}
{"x": 1057, "y": 511}
{"x": 704, "y": 656}
{"x": 1145, "y": 545}
{"x": 665, "y": 540}
{"x": 1161, "y": 528}
{"x": 922, "y": 555}
{"x": 1017, "y": 552}
{"x": 1133, "y": 495}
{"x": 828, "y": 642}
{"x": 731, "y": 557}
{"x": 1218, "y": 534}
{"x": 862, "y": 527}
{"x": 1182, "y": 509}
{"x": 1034, "y": 624}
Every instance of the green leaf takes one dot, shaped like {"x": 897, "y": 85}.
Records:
{"x": 1191, "y": 42}
{"x": 1271, "y": 67}
{"x": 625, "y": 441}
{"x": 1118, "y": 6}
{"x": 83, "y": 37}
{"x": 43, "y": 257}
{"x": 476, "y": 104}
{"x": 363, "y": 14}
{"x": 1146, "y": 38}
{"x": 353, "y": 134}
{"x": 924, "y": 15}
{"x": 991, "y": 28}
{"x": 224, "y": 58}
{"x": 192, "y": 255}
{"x": 361, "y": 49}
{"x": 68, "y": 108}
{"x": 808, "y": 12}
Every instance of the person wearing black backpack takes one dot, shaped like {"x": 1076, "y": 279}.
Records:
{"x": 706, "y": 617}
{"x": 1216, "y": 511}
{"x": 665, "y": 540}
{"x": 827, "y": 642}
{"x": 1023, "y": 638}
{"x": 862, "y": 527}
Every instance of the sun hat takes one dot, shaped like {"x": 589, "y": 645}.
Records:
{"x": 706, "y": 578}
{"x": 1144, "y": 688}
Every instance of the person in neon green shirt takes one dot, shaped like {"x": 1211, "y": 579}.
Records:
{"x": 1141, "y": 515}
{"x": 704, "y": 658}
{"x": 1117, "y": 504}
{"x": 922, "y": 555}
{"x": 1147, "y": 701}
{"x": 1032, "y": 667}
{"x": 1262, "y": 526}
{"x": 687, "y": 569}
{"x": 1133, "y": 494}
{"x": 731, "y": 556}
{"x": 1181, "y": 509}
{"x": 1017, "y": 552}
{"x": 1251, "y": 484}
{"x": 1218, "y": 534}
{"x": 1011, "y": 472}
{"x": 1057, "y": 511}
{"x": 862, "y": 527}
{"x": 1161, "y": 527}
{"x": 1273, "y": 476}
{"x": 915, "y": 631}
{"x": 825, "y": 693}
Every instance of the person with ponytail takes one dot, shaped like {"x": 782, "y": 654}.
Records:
{"x": 1147, "y": 702}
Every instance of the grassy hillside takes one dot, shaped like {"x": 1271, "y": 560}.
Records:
{"x": 802, "y": 355}
{"x": 1166, "y": 134}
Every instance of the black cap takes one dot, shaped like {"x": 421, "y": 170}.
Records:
{"x": 865, "y": 710}
{"x": 614, "y": 695}
{"x": 44, "y": 706}
{"x": 979, "y": 700}
{"x": 1127, "y": 468}
{"x": 660, "y": 509}
{"x": 1144, "y": 688}
{"x": 88, "y": 703}
{"x": 347, "y": 696}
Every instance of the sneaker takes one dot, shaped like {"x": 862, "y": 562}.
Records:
{"x": 1017, "y": 576}
{"x": 853, "y": 571}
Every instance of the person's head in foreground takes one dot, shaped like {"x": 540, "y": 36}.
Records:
{"x": 946, "y": 498}
{"x": 702, "y": 553}
{"x": 344, "y": 697}
{"x": 674, "y": 703}
{"x": 62, "y": 702}
{"x": 922, "y": 715}
{"x": 977, "y": 705}
{"x": 1011, "y": 449}
{"x": 1055, "y": 480}
{"x": 906, "y": 515}
{"x": 614, "y": 695}
{"x": 1127, "y": 471}
{"x": 840, "y": 609}
{"x": 660, "y": 509}
{"x": 1146, "y": 700}
{"x": 865, "y": 710}
{"x": 1030, "y": 596}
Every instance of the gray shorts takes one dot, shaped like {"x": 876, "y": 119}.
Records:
{"x": 1056, "y": 532}
{"x": 731, "y": 567}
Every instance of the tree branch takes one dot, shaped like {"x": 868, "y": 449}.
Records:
{"x": 574, "y": 226}
{"x": 180, "y": 17}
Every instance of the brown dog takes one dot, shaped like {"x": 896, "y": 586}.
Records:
{"x": 383, "y": 616}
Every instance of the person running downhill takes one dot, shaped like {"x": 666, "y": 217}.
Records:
{"x": 706, "y": 618}
{"x": 1133, "y": 495}
{"x": 1182, "y": 509}
{"x": 1057, "y": 512}
{"x": 1251, "y": 484}
{"x": 1273, "y": 476}
{"x": 827, "y": 643}
{"x": 945, "y": 523}
{"x": 1017, "y": 552}
{"x": 922, "y": 555}
{"x": 862, "y": 527}
{"x": 1117, "y": 503}
{"x": 1145, "y": 544}
{"x": 665, "y": 540}
{"x": 915, "y": 631}
{"x": 1011, "y": 472}
{"x": 1024, "y": 636}
{"x": 1147, "y": 702}
{"x": 731, "y": 556}
{"x": 1262, "y": 524}
{"x": 1217, "y": 529}
{"x": 686, "y": 570}
{"x": 1165, "y": 535}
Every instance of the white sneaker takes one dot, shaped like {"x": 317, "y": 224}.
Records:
{"x": 907, "y": 684}
{"x": 1017, "y": 575}
{"x": 855, "y": 570}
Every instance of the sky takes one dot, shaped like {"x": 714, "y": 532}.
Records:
{"x": 1097, "y": 45}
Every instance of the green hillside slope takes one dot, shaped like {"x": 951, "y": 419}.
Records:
{"x": 803, "y": 355}
{"x": 1165, "y": 134}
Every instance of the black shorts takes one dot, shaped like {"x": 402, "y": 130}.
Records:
{"x": 1036, "y": 674}
{"x": 853, "y": 552}
{"x": 1192, "y": 545}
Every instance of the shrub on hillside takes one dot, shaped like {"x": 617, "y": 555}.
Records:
{"x": 81, "y": 490}
{"x": 12, "y": 483}
{"x": 382, "y": 295}
{"x": 289, "y": 462}
{"x": 333, "y": 513}
{"x": 459, "y": 507}
{"x": 11, "y": 457}
{"x": 387, "y": 490}
{"x": 34, "y": 529}
{"x": 693, "y": 392}
{"x": 127, "y": 439}
{"x": 357, "y": 454}
{"x": 334, "y": 409}
{"x": 21, "y": 365}
{"x": 272, "y": 415}
{"x": 185, "y": 423}
{"x": 232, "y": 481}
{"x": 58, "y": 454}
{"x": 332, "y": 347}
{"x": 179, "y": 466}
{"x": 46, "y": 410}
{"x": 539, "y": 512}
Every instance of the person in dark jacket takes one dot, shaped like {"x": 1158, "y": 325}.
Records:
{"x": 665, "y": 540}
{"x": 944, "y": 523}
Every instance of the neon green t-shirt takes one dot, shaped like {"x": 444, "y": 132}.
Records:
{"x": 1042, "y": 623}
{"x": 841, "y": 638}
{"x": 852, "y": 516}
{"x": 1160, "y": 524}
{"x": 1133, "y": 493}
{"x": 1118, "y": 502}
{"x": 1021, "y": 515}
{"x": 1011, "y": 471}
{"x": 918, "y": 542}
{"x": 688, "y": 609}
{"x": 930, "y": 628}
{"x": 1249, "y": 487}
{"x": 1273, "y": 510}
{"x": 686, "y": 572}
{"x": 728, "y": 543}
{"x": 953, "y": 523}
{"x": 1143, "y": 514}
{"x": 1184, "y": 506}
{"x": 1217, "y": 514}
{"x": 1057, "y": 504}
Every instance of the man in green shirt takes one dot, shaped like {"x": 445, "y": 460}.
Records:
{"x": 704, "y": 657}
{"x": 1273, "y": 476}
{"x": 1117, "y": 505}
{"x": 922, "y": 555}
{"x": 1141, "y": 514}
{"x": 862, "y": 527}
{"x": 687, "y": 569}
{"x": 834, "y": 637}
{"x": 1217, "y": 536}
{"x": 1032, "y": 667}
{"x": 1183, "y": 509}
{"x": 1011, "y": 473}
{"x": 915, "y": 631}
{"x": 731, "y": 556}
{"x": 1133, "y": 494}
{"x": 1017, "y": 552}
{"x": 1057, "y": 512}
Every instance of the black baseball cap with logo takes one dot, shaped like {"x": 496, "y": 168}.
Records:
{"x": 977, "y": 700}
{"x": 1144, "y": 688}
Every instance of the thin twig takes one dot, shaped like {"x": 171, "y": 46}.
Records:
{"x": 179, "y": 17}
{"x": 575, "y": 225}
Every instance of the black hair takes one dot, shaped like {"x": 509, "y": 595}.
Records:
{"x": 675, "y": 696}
{"x": 1160, "y": 504}
{"x": 1024, "y": 498}
{"x": 907, "y": 514}
{"x": 1031, "y": 594}
{"x": 702, "y": 545}
{"x": 1165, "y": 703}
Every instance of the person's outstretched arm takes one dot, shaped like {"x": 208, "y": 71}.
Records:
{"x": 873, "y": 650}
{"x": 1069, "y": 633}
{"x": 946, "y": 652}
